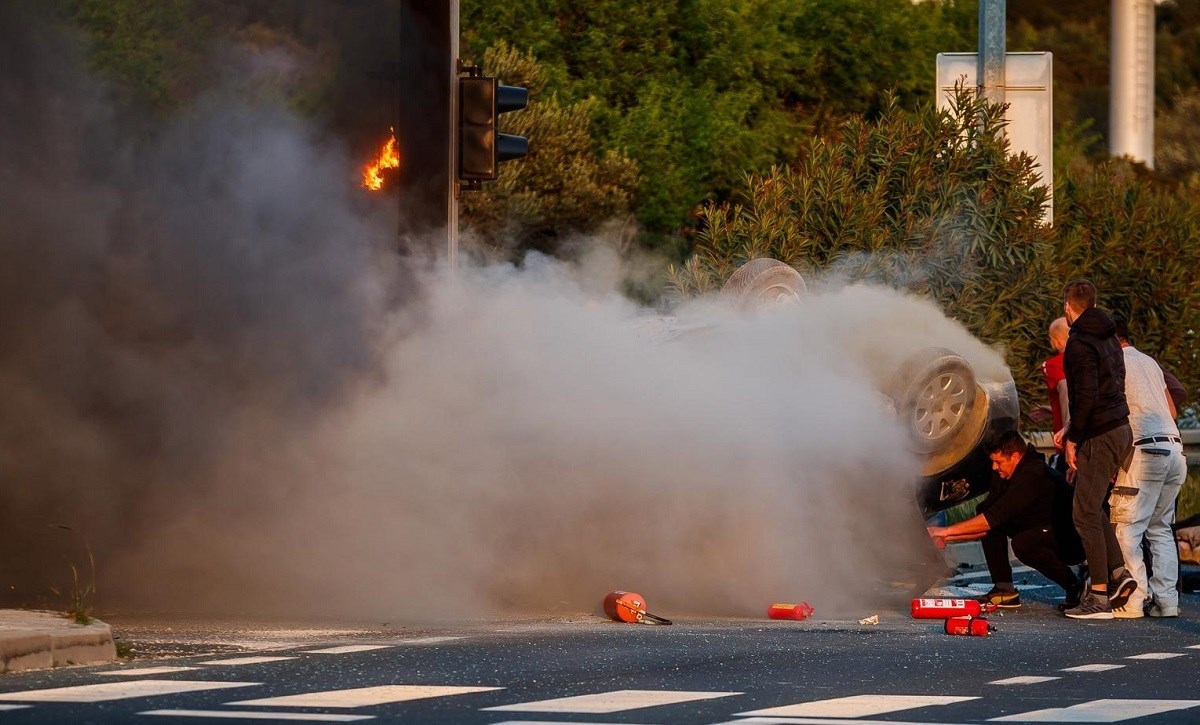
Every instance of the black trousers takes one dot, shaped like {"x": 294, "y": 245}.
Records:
{"x": 1035, "y": 548}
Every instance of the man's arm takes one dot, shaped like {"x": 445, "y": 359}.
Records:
{"x": 973, "y": 528}
{"x": 1085, "y": 386}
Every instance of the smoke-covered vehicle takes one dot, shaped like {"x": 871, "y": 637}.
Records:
{"x": 947, "y": 406}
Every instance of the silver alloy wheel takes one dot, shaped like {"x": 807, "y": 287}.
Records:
{"x": 940, "y": 406}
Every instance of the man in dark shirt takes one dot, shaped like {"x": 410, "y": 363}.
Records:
{"x": 1021, "y": 504}
{"x": 1098, "y": 443}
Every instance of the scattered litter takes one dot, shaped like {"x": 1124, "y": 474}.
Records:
{"x": 630, "y": 607}
{"x": 873, "y": 619}
{"x": 803, "y": 610}
{"x": 969, "y": 626}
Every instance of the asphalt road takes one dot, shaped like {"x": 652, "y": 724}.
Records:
{"x": 1038, "y": 667}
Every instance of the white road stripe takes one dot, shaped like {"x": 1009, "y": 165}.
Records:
{"x": 363, "y": 696}
{"x": 1193, "y": 646}
{"x": 1101, "y": 711}
{"x": 1024, "y": 680}
{"x": 858, "y": 706}
{"x": 142, "y": 671}
{"x": 821, "y": 721}
{"x": 428, "y": 640}
{"x": 1092, "y": 668}
{"x": 1156, "y": 656}
{"x": 247, "y": 661}
{"x": 550, "y": 722}
{"x": 249, "y": 715}
{"x": 14, "y": 707}
{"x": 119, "y": 690}
{"x": 346, "y": 649}
{"x": 615, "y": 701}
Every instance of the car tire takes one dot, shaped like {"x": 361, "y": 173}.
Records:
{"x": 934, "y": 392}
{"x": 761, "y": 282}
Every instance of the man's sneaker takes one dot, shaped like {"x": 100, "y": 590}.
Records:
{"x": 1133, "y": 609}
{"x": 1073, "y": 597}
{"x": 1090, "y": 608}
{"x": 1003, "y": 598}
{"x": 1160, "y": 610}
{"x": 1120, "y": 589}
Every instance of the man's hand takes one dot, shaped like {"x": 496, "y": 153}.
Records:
{"x": 1071, "y": 455}
{"x": 1059, "y": 437}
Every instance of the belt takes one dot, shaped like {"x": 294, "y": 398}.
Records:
{"x": 1157, "y": 439}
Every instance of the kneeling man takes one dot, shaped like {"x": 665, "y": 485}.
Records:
{"x": 1024, "y": 495}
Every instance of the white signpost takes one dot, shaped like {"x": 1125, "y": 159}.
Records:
{"x": 1028, "y": 84}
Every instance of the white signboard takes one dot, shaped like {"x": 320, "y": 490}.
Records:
{"x": 1029, "y": 80}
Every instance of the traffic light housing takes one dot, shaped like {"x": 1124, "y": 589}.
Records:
{"x": 481, "y": 147}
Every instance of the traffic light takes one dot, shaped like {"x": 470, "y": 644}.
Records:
{"x": 481, "y": 147}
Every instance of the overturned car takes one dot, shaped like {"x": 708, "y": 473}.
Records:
{"x": 949, "y": 408}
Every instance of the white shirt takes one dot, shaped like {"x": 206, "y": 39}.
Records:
{"x": 1145, "y": 391}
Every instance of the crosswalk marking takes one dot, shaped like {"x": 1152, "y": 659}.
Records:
{"x": 246, "y": 661}
{"x": 615, "y": 701}
{"x": 1092, "y": 668}
{"x": 1193, "y": 646}
{"x": 550, "y": 722}
{"x": 428, "y": 640}
{"x": 858, "y": 706}
{"x": 346, "y": 649}
{"x": 363, "y": 696}
{"x": 1101, "y": 711}
{"x": 1155, "y": 656}
{"x": 1024, "y": 680}
{"x": 142, "y": 671}
{"x": 119, "y": 690}
{"x": 14, "y": 707}
{"x": 258, "y": 715}
{"x": 821, "y": 721}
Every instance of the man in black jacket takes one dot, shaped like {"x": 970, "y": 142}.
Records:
{"x": 1098, "y": 443}
{"x": 1022, "y": 500}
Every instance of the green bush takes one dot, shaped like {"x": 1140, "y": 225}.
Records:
{"x": 931, "y": 202}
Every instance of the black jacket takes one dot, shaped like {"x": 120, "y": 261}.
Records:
{"x": 1024, "y": 501}
{"x": 1095, "y": 370}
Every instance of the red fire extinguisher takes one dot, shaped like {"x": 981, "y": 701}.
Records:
{"x": 803, "y": 610}
{"x": 969, "y": 626}
{"x": 946, "y": 608}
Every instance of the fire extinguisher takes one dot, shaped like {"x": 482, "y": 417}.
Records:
{"x": 946, "y": 608}
{"x": 803, "y": 610}
{"x": 969, "y": 626}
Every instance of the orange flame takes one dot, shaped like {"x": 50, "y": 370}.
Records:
{"x": 389, "y": 158}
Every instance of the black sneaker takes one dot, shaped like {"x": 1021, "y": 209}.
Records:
{"x": 1003, "y": 598}
{"x": 1073, "y": 597}
{"x": 1090, "y": 608}
{"x": 1120, "y": 589}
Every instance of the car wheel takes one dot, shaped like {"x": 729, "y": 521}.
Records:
{"x": 934, "y": 392}
{"x": 761, "y": 282}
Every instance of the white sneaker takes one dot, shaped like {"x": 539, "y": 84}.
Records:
{"x": 1131, "y": 610}
{"x": 1161, "y": 610}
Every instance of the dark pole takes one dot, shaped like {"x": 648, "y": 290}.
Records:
{"x": 428, "y": 51}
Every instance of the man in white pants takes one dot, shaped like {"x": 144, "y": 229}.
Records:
{"x": 1142, "y": 503}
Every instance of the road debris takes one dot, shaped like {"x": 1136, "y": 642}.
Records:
{"x": 873, "y": 619}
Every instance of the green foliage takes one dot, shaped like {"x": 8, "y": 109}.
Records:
{"x": 700, "y": 92}
{"x": 1138, "y": 239}
{"x": 930, "y": 202}
{"x": 150, "y": 47}
{"x": 564, "y": 185}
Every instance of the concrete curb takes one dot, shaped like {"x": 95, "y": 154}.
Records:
{"x": 31, "y": 640}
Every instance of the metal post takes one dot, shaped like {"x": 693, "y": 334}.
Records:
{"x": 428, "y": 51}
{"x": 1131, "y": 81}
{"x": 990, "y": 71}
{"x": 452, "y": 147}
